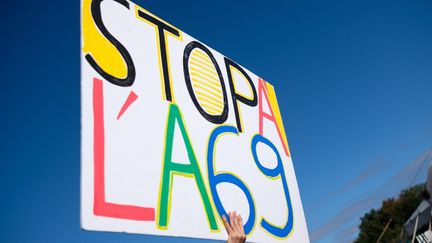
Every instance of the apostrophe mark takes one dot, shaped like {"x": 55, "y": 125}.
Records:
{"x": 130, "y": 99}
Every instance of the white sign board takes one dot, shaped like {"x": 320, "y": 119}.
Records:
{"x": 175, "y": 135}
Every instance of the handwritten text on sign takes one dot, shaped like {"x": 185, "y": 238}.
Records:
{"x": 175, "y": 135}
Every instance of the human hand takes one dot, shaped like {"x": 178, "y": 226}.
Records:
{"x": 234, "y": 228}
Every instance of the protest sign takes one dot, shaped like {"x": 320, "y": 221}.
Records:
{"x": 174, "y": 134}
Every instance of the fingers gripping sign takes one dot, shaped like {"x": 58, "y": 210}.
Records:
{"x": 234, "y": 228}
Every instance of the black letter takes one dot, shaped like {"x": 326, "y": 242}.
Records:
{"x": 161, "y": 26}
{"x": 217, "y": 119}
{"x": 130, "y": 78}
{"x": 238, "y": 97}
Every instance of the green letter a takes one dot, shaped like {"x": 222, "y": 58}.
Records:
{"x": 188, "y": 170}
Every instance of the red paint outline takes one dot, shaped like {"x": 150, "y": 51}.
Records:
{"x": 262, "y": 87}
{"x": 100, "y": 206}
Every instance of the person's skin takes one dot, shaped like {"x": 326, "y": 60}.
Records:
{"x": 234, "y": 228}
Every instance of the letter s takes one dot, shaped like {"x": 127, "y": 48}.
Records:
{"x": 129, "y": 79}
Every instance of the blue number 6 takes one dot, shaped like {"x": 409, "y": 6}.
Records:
{"x": 216, "y": 178}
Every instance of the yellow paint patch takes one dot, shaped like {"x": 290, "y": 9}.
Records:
{"x": 276, "y": 112}
{"x": 99, "y": 47}
{"x": 205, "y": 82}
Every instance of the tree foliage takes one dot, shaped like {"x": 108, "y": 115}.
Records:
{"x": 397, "y": 209}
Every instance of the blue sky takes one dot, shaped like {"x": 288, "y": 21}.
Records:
{"x": 354, "y": 80}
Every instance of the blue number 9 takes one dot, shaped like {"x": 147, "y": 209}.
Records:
{"x": 283, "y": 231}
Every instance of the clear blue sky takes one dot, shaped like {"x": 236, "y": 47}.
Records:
{"x": 354, "y": 80}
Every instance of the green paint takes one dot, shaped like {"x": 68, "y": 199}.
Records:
{"x": 188, "y": 170}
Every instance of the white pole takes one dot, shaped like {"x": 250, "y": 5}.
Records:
{"x": 384, "y": 230}
{"x": 415, "y": 230}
